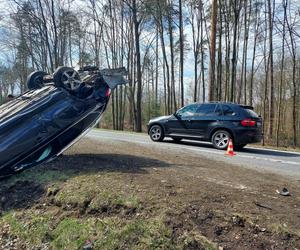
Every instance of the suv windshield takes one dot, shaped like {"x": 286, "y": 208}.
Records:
{"x": 187, "y": 110}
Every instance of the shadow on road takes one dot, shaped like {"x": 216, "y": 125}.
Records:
{"x": 247, "y": 150}
{"x": 27, "y": 188}
{"x": 269, "y": 152}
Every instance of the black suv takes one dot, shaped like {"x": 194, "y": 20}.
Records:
{"x": 215, "y": 122}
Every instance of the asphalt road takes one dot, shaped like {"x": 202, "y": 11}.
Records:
{"x": 266, "y": 160}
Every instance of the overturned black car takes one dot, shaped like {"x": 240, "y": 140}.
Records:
{"x": 55, "y": 112}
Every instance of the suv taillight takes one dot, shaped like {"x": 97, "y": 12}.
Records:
{"x": 248, "y": 122}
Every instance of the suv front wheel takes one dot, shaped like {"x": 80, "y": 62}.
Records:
{"x": 156, "y": 133}
{"x": 220, "y": 139}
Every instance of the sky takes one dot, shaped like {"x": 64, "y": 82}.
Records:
{"x": 5, "y": 53}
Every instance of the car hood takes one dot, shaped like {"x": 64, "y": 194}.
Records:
{"x": 160, "y": 118}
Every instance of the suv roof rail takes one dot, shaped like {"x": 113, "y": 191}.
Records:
{"x": 219, "y": 102}
{"x": 246, "y": 107}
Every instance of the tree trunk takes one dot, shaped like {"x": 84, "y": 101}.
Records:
{"x": 271, "y": 70}
{"x": 138, "y": 68}
{"x": 234, "y": 51}
{"x": 256, "y": 27}
{"x": 211, "y": 81}
{"x": 173, "y": 92}
{"x": 181, "y": 46}
{"x": 281, "y": 75}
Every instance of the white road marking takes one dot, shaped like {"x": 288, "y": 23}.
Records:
{"x": 245, "y": 156}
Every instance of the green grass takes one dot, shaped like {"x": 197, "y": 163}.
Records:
{"x": 70, "y": 233}
{"x": 128, "y": 222}
{"x": 107, "y": 199}
{"x": 41, "y": 176}
{"x": 107, "y": 233}
{"x": 98, "y": 190}
{"x": 28, "y": 226}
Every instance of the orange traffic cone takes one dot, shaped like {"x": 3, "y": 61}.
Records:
{"x": 230, "y": 149}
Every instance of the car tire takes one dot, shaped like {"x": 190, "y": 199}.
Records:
{"x": 239, "y": 146}
{"x": 35, "y": 80}
{"x": 176, "y": 139}
{"x": 67, "y": 78}
{"x": 156, "y": 133}
{"x": 220, "y": 139}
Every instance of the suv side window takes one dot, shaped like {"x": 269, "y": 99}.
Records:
{"x": 206, "y": 110}
{"x": 227, "y": 110}
{"x": 187, "y": 111}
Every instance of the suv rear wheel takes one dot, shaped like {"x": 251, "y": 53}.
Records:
{"x": 156, "y": 133}
{"x": 220, "y": 139}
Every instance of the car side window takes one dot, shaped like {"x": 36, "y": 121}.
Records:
{"x": 187, "y": 111}
{"x": 218, "y": 110}
{"x": 227, "y": 110}
{"x": 206, "y": 110}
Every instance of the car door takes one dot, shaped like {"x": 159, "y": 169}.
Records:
{"x": 206, "y": 117}
{"x": 178, "y": 124}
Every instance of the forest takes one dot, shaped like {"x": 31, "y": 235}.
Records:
{"x": 176, "y": 52}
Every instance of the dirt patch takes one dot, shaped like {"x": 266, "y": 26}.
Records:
{"x": 231, "y": 231}
{"x": 21, "y": 194}
{"x": 140, "y": 197}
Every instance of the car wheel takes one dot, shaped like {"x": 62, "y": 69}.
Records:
{"x": 239, "y": 146}
{"x": 67, "y": 78}
{"x": 35, "y": 80}
{"x": 220, "y": 139}
{"x": 176, "y": 139}
{"x": 156, "y": 133}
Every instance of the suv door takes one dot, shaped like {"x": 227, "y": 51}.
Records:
{"x": 207, "y": 116}
{"x": 178, "y": 123}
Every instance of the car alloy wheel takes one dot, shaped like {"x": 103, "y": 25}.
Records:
{"x": 67, "y": 78}
{"x": 156, "y": 133}
{"x": 35, "y": 80}
{"x": 71, "y": 80}
{"x": 220, "y": 139}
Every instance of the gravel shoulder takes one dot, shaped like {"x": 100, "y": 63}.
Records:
{"x": 120, "y": 195}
